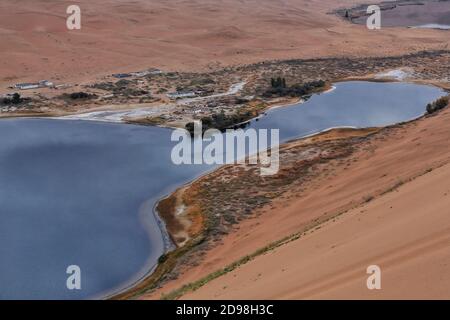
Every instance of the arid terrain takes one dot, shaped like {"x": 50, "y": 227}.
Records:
{"x": 178, "y": 35}
{"x": 405, "y": 232}
{"x": 343, "y": 200}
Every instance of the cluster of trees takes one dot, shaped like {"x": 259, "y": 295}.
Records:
{"x": 439, "y": 104}
{"x": 15, "y": 99}
{"x": 279, "y": 88}
{"x": 125, "y": 88}
{"x": 221, "y": 121}
{"x": 78, "y": 96}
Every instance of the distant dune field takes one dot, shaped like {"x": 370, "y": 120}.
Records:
{"x": 182, "y": 35}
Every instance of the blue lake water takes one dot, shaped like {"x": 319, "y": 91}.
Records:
{"x": 82, "y": 193}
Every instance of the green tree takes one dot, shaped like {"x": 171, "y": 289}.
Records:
{"x": 16, "y": 99}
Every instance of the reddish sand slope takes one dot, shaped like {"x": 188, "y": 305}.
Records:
{"x": 406, "y": 233}
{"x": 380, "y": 164}
{"x": 119, "y": 35}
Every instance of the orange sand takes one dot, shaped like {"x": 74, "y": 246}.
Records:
{"x": 182, "y": 35}
{"x": 409, "y": 237}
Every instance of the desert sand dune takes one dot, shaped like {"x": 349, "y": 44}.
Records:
{"x": 406, "y": 233}
{"x": 182, "y": 35}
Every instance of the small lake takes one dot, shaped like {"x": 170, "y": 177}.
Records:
{"x": 82, "y": 193}
{"x": 434, "y": 14}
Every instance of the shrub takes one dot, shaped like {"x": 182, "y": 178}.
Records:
{"x": 15, "y": 99}
{"x": 439, "y": 104}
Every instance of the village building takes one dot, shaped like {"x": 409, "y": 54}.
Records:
{"x": 122, "y": 75}
{"x": 34, "y": 85}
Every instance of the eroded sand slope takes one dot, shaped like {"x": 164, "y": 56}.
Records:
{"x": 126, "y": 36}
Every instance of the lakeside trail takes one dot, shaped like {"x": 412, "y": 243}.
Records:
{"x": 391, "y": 168}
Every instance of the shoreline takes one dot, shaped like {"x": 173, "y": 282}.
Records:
{"x": 314, "y": 225}
{"x": 147, "y": 284}
{"x": 165, "y": 229}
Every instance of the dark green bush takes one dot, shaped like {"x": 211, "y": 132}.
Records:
{"x": 279, "y": 88}
{"x": 439, "y": 104}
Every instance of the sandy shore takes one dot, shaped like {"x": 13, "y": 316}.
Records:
{"x": 184, "y": 35}
{"x": 377, "y": 169}
{"x": 359, "y": 184}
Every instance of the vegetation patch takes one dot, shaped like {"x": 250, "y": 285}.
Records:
{"x": 15, "y": 99}
{"x": 150, "y": 121}
{"x": 222, "y": 121}
{"x": 75, "y": 96}
{"x": 437, "y": 105}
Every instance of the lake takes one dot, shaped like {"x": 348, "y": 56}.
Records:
{"x": 82, "y": 193}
